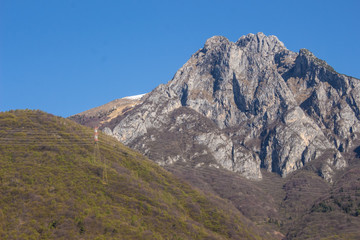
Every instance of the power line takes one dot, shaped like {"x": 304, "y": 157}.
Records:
{"x": 97, "y": 156}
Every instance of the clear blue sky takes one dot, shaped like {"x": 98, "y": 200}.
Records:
{"x": 66, "y": 56}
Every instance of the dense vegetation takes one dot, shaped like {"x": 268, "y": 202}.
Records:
{"x": 55, "y": 185}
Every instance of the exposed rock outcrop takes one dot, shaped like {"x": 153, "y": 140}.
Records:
{"x": 246, "y": 105}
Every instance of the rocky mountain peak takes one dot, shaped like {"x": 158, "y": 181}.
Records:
{"x": 306, "y": 52}
{"x": 260, "y": 42}
{"x": 309, "y": 58}
{"x": 215, "y": 41}
{"x": 248, "y": 105}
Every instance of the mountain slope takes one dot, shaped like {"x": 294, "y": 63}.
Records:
{"x": 263, "y": 106}
{"x": 55, "y": 185}
{"x": 105, "y": 113}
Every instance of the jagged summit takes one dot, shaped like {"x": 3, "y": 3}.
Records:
{"x": 310, "y": 57}
{"x": 260, "y": 41}
{"x": 245, "y": 106}
{"x": 252, "y": 42}
{"x": 215, "y": 40}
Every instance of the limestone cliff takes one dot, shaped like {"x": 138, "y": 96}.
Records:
{"x": 248, "y": 105}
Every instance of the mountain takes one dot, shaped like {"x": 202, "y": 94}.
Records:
{"x": 56, "y": 183}
{"x": 274, "y": 131}
{"x": 245, "y": 106}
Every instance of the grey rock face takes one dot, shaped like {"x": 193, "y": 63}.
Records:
{"x": 246, "y": 105}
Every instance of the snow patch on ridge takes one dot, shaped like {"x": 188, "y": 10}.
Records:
{"x": 135, "y": 97}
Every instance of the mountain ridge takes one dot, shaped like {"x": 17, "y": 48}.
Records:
{"x": 239, "y": 112}
{"x": 264, "y": 82}
{"x": 106, "y": 112}
{"x": 248, "y": 69}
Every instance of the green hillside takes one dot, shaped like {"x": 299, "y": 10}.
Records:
{"x": 54, "y": 184}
